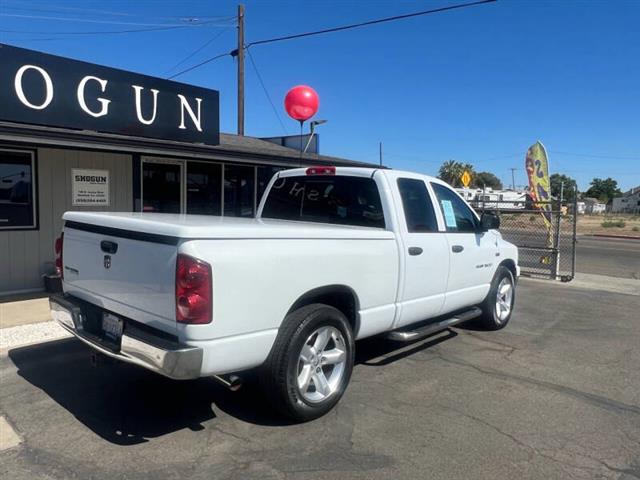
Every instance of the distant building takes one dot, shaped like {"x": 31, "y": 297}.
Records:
{"x": 629, "y": 202}
{"x": 505, "y": 199}
{"x": 592, "y": 206}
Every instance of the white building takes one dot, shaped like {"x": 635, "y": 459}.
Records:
{"x": 505, "y": 199}
{"x": 629, "y": 202}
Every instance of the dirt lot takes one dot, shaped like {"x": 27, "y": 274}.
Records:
{"x": 592, "y": 224}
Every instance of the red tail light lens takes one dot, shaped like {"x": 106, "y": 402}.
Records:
{"x": 193, "y": 290}
{"x": 58, "y": 251}
{"x": 321, "y": 171}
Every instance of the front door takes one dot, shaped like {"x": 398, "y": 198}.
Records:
{"x": 472, "y": 253}
{"x": 424, "y": 252}
{"x": 162, "y": 186}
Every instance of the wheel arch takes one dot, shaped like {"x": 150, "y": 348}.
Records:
{"x": 511, "y": 265}
{"x": 341, "y": 297}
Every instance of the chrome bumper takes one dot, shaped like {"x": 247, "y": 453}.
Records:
{"x": 181, "y": 363}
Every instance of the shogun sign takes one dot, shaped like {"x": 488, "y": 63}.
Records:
{"x": 42, "y": 89}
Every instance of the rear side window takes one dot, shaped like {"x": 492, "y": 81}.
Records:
{"x": 326, "y": 199}
{"x": 418, "y": 209}
{"x": 458, "y": 217}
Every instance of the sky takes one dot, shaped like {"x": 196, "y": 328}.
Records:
{"x": 477, "y": 85}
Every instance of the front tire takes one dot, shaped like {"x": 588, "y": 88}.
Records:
{"x": 310, "y": 364}
{"x": 498, "y": 305}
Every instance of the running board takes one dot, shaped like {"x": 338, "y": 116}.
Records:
{"x": 431, "y": 328}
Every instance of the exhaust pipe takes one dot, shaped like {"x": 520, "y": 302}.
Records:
{"x": 232, "y": 382}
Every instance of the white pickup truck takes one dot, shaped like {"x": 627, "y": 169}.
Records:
{"x": 334, "y": 255}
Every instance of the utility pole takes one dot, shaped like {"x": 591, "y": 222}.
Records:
{"x": 241, "y": 70}
{"x": 513, "y": 179}
{"x": 380, "y": 153}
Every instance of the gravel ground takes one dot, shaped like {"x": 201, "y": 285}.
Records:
{"x": 29, "y": 334}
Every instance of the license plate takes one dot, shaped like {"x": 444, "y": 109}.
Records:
{"x": 112, "y": 326}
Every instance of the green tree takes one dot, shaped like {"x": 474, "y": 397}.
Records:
{"x": 486, "y": 179}
{"x": 450, "y": 172}
{"x": 603, "y": 190}
{"x": 569, "y": 190}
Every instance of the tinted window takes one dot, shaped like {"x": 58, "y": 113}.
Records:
{"x": 204, "y": 188}
{"x": 418, "y": 209}
{"x": 239, "y": 191}
{"x": 326, "y": 199}
{"x": 458, "y": 217}
{"x": 16, "y": 190}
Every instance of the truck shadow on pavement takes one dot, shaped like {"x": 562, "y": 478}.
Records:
{"x": 127, "y": 405}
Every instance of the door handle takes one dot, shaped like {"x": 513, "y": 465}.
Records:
{"x": 457, "y": 248}
{"x": 108, "y": 247}
{"x": 415, "y": 251}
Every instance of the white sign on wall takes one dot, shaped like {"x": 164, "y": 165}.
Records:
{"x": 90, "y": 187}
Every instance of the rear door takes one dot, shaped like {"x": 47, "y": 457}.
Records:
{"x": 128, "y": 273}
{"x": 424, "y": 252}
{"x": 472, "y": 253}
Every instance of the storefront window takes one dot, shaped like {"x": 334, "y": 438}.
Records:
{"x": 17, "y": 196}
{"x": 239, "y": 191}
{"x": 204, "y": 188}
{"x": 264, "y": 176}
{"x": 161, "y": 187}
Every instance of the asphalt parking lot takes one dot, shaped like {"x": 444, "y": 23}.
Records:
{"x": 554, "y": 395}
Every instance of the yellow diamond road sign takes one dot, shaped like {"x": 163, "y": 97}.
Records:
{"x": 466, "y": 178}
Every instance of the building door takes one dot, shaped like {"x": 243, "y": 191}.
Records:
{"x": 162, "y": 186}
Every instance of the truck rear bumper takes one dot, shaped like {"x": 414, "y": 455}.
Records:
{"x": 180, "y": 362}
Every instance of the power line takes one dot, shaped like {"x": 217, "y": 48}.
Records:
{"x": 266, "y": 92}
{"x": 370, "y": 22}
{"x": 198, "y": 50}
{"x": 345, "y": 27}
{"x": 92, "y": 11}
{"x": 106, "y": 22}
{"x": 209, "y": 60}
{"x": 105, "y": 32}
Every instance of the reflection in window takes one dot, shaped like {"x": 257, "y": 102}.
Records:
{"x": 17, "y": 202}
{"x": 204, "y": 182}
{"x": 239, "y": 191}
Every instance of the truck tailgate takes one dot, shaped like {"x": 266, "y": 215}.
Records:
{"x": 128, "y": 273}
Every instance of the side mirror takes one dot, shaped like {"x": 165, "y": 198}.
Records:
{"x": 489, "y": 221}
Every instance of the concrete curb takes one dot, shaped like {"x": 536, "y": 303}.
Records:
{"x": 606, "y": 235}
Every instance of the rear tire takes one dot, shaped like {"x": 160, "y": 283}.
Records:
{"x": 498, "y": 305}
{"x": 310, "y": 364}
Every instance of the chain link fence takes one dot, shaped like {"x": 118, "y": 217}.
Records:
{"x": 545, "y": 250}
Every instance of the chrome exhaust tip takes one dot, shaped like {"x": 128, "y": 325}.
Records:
{"x": 232, "y": 382}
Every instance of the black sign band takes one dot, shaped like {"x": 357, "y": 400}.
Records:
{"x": 42, "y": 89}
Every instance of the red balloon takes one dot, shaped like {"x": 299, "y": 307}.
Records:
{"x": 301, "y": 103}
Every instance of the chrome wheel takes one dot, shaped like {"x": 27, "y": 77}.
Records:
{"x": 321, "y": 364}
{"x": 504, "y": 299}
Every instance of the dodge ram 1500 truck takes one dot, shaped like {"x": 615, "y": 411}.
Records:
{"x": 334, "y": 255}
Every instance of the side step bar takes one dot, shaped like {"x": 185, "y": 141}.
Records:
{"x": 431, "y": 328}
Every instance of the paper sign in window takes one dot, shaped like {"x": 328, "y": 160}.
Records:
{"x": 449, "y": 216}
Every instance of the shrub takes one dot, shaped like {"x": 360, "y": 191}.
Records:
{"x": 614, "y": 224}
{"x": 636, "y": 229}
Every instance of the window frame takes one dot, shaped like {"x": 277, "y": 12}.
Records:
{"x": 440, "y": 209}
{"x": 34, "y": 189}
{"x": 429, "y": 200}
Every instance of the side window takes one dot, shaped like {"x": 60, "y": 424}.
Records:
{"x": 458, "y": 217}
{"x": 418, "y": 209}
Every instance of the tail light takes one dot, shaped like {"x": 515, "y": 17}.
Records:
{"x": 321, "y": 171}
{"x": 193, "y": 290}
{"x": 58, "y": 251}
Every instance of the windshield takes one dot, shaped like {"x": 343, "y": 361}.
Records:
{"x": 339, "y": 200}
